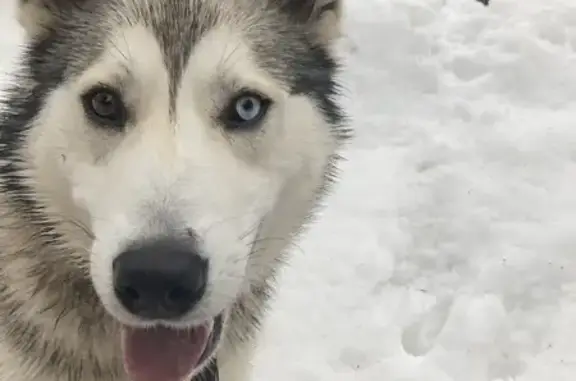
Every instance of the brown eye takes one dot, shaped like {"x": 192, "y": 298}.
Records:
{"x": 105, "y": 107}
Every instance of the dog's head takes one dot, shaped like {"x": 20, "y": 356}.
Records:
{"x": 192, "y": 138}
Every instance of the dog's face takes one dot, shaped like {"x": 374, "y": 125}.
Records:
{"x": 192, "y": 137}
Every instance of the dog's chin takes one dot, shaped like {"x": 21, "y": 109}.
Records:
{"x": 162, "y": 352}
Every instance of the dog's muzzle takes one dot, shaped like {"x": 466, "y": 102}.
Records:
{"x": 159, "y": 282}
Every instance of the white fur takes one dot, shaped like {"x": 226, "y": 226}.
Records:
{"x": 238, "y": 191}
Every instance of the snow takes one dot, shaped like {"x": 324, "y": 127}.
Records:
{"x": 448, "y": 250}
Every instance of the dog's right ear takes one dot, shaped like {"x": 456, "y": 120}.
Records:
{"x": 322, "y": 17}
{"x": 35, "y": 16}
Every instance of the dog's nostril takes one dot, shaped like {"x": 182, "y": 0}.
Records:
{"x": 178, "y": 295}
{"x": 130, "y": 293}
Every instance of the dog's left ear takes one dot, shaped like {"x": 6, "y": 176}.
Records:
{"x": 324, "y": 17}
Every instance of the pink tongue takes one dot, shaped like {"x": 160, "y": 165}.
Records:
{"x": 162, "y": 354}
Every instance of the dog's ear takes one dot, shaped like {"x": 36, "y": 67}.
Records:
{"x": 35, "y": 16}
{"x": 324, "y": 17}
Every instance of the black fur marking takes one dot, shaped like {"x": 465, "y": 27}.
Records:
{"x": 307, "y": 10}
{"x": 46, "y": 62}
{"x": 309, "y": 70}
{"x": 189, "y": 22}
{"x": 16, "y": 119}
{"x": 314, "y": 76}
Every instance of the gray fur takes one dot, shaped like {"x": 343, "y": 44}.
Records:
{"x": 52, "y": 324}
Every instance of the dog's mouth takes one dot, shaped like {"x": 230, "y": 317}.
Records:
{"x": 169, "y": 354}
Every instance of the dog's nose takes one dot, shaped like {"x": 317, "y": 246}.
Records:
{"x": 162, "y": 279}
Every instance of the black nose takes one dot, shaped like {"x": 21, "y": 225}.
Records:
{"x": 162, "y": 279}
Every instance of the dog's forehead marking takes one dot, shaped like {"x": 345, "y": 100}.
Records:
{"x": 177, "y": 25}
{"x": 180, "y": 26}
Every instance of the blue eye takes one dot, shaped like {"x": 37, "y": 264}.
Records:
{"x": 246, "y": 110}
{"x": 248, "y": 107}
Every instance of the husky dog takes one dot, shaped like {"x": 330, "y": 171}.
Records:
{"x": 157, "y": 160}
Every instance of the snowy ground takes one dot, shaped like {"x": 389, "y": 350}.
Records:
{"x": 448, "y": 253}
